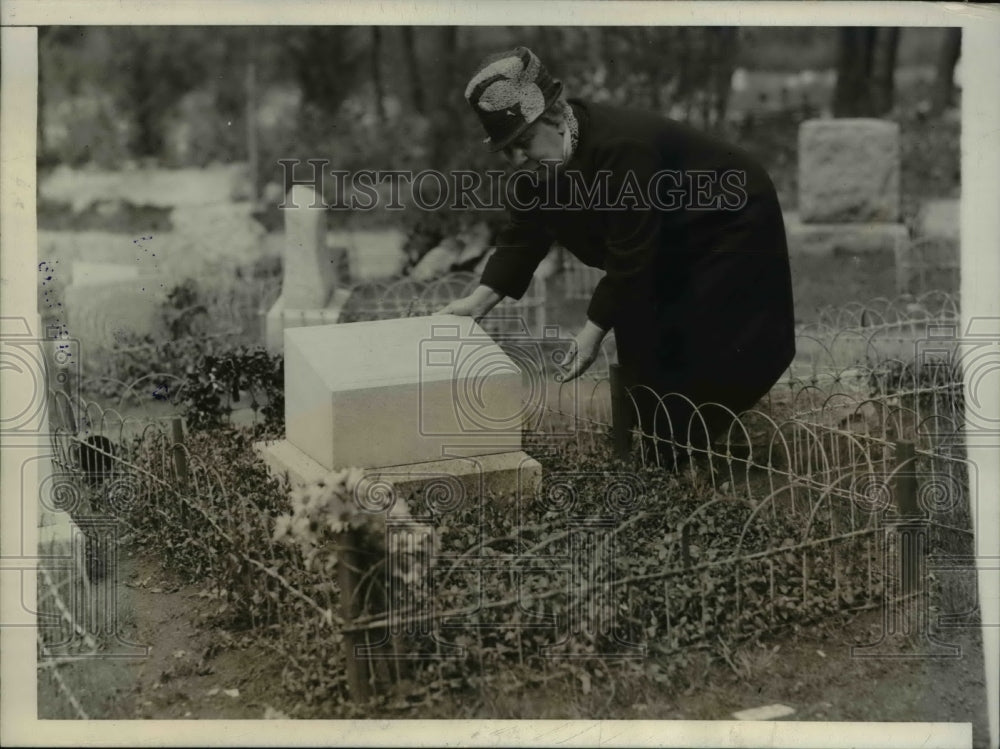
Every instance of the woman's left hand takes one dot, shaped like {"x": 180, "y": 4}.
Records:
{"x": 584, "y": 350}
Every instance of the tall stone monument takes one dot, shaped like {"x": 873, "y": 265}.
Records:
{"x": 309, "y": 288}
{"x": 413, "y": 401}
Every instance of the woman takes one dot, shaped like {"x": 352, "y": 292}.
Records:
{"x": 687, "y": 228}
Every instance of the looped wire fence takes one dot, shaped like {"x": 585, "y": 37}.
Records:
{"x": 408, "y": 297}
{"x": 789, "y": 509}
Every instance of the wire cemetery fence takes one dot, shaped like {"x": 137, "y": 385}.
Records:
{"x": 829, "y": 496}
{"x": 408, "y": 297}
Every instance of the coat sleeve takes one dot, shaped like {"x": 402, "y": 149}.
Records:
{"x": 521, "y": 245}
{"x": 633, "y": 229}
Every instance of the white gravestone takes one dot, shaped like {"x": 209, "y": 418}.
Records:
{"x": 309, "y": 286}
{"x": 310, "y": 273}
{"x": 403, "y": 398}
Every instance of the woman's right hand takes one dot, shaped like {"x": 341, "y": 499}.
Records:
{"x": 475, "y": 305}
{"x": 467, "y": 306}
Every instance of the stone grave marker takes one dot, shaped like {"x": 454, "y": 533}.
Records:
{"x": 409, "y": 400}
{"x": 849, "y": 200}
{"x": 309, "y": 287}
{"x": 849, "y": 171}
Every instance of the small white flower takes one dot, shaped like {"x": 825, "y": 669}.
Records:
{"x": 282, "y": 526}
{"x": 353, "y": 478}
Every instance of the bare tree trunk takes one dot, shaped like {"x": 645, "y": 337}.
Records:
{"x": 609, "y": 53}
{"x": 852, "y": 95}
{"x": 377, "y": 82}
{"x": 450, "y": 47}
{"x": 446, "y": 121}
{"x": 884, "y": 69}
{"x": 944, "y": 83}
{"x": 684, "y": 88}
{"x": 413, "y": 70}
{"x": 728, "y": 37}
{"x": 253, "y": 151}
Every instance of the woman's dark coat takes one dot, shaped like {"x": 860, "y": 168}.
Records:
{"x": 698, "y": 290}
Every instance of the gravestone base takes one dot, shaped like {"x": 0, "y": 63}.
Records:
{"x": 853, "y": 238}
{"x": 279, "y": 319}
{"x": 500, "y": 473}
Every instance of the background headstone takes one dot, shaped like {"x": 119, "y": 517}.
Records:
{"x": 104, "y": 313}
{"x": 310, "y": 270}
{"x": 849, "y": 171}
{"x": 375, "y": 254}
{"x": 310, "y": 277}
{"x": 94, "y": 274}
{"x": 940, "y": 219}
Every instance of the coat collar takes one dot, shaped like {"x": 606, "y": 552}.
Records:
{"x": 582, "y": 157}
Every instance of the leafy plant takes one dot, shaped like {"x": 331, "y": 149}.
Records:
{"x": 217, "y": 381}
{"x": 692, "y": 569}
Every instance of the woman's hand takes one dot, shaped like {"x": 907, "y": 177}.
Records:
{"x": 475, "y": 305}
{"x": 467, "y": 306}
{"x": 584, "y": 350}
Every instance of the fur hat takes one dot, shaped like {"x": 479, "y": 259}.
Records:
{"x": 508, "y": 92}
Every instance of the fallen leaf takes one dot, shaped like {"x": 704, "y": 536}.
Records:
{"x": 212, "y": 692}
{"x": 231, "y": 692}
{"x": 179, "y": 653}
{"x": 821, "y": 654}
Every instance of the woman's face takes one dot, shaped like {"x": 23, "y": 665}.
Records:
{"x": 540, "y": 142}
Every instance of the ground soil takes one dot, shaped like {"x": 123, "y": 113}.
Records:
{"x": 196, "y": 669}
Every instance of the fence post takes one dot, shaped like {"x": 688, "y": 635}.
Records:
{"x": 347, "y": 565}
{"x": 686, "y": 545}
{"x": 905, "y": 497}
{"x": 621, "y": 414}
{"x": 180, "y": 456}
{"x": 905, "y": 485}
